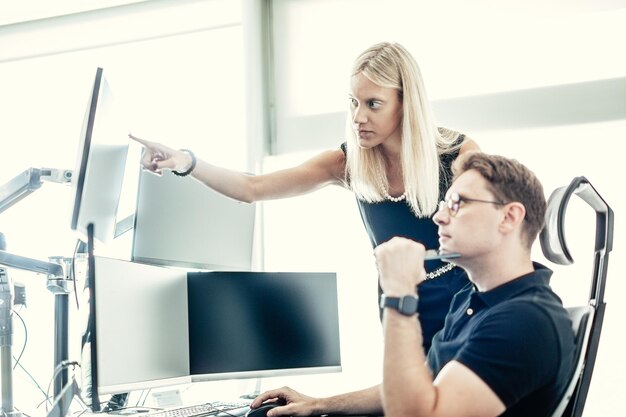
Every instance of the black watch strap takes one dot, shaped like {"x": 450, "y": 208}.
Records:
{"x": 406, "y": 305}
{"x": 191, "y": 167}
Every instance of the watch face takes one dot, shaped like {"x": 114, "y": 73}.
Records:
{"x": 408, "y": 305}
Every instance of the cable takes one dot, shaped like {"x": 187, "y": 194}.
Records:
{"x": 25, "y": 339}
{"x": 23, "y": 413}
{"x": 228, "y": 413}
{"x": 36, "y": 384}
{"x": 41, "y": 402}
{"x": 59, "y": 368}
{"x": 19, "y": 357}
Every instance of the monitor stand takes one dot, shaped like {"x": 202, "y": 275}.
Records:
{"x": 257, "y": 390}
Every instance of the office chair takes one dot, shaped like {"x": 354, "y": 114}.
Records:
{"x": 586, "y": 320}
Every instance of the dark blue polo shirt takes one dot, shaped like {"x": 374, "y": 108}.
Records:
{"x": 517, "y": 338}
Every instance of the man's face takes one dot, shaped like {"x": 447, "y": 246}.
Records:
{"x": 471, "y": 227}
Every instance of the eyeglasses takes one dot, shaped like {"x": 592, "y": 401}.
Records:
{"x": 453, "y": 203}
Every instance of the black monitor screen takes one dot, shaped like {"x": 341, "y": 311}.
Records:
{"x": 253, "y": 324}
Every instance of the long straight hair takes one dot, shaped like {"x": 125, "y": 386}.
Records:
{"x": 390, "y": 65}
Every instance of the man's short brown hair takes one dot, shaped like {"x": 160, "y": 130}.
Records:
{"x": 509, "y": 181}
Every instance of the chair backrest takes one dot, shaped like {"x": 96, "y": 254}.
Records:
{"x": 581, "y": 324}
{"x": 586, "y": 320}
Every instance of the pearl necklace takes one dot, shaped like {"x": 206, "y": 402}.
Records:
{"x": 381, "y": 183}
{"x": 440, "y": 271}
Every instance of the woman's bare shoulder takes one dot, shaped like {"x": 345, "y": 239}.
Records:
{"x": 333, "y": 161}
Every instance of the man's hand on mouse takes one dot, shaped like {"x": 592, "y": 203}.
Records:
{"x": 292, "y": 403}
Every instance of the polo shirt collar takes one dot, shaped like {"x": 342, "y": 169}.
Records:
{"x": 540, "y": 276}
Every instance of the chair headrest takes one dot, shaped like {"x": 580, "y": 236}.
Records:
{"x": 552, "y": 236}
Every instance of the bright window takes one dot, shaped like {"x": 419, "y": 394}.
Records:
{"x": 186, "y": 91}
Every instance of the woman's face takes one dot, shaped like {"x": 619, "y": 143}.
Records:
{"x": 376, "y": 112}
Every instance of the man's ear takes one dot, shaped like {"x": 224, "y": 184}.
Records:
{"x": 514, "y": 214}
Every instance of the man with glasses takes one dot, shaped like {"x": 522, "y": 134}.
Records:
{"x": 507, "y": 347}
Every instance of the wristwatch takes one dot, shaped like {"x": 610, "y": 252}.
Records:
{"x": 406, "y": 305}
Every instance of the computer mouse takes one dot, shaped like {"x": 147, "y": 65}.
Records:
{"x": 262, "y": 410}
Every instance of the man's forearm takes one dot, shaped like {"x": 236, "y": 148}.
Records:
{"x": 366, "y": 402}
{"x": 407, "y": 382}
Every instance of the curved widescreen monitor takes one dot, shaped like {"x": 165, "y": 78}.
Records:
{"x": 99, "y": 173}
{"x": 259, "y": 324}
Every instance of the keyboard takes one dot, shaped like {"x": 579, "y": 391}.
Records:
{"x": 217, "y": 409}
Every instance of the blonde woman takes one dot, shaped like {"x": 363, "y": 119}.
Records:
{"x": 396, "y": 161}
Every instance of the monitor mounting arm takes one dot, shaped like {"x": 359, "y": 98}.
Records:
{"x": 28, "y": 182}
{"x": 59, "y": 278}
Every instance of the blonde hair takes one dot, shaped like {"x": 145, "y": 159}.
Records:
{"x": 390, "y": 65}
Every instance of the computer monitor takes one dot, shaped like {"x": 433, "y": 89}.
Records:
{"x": 260, "y": 324}
{"x": 181, "y": 222}
{"x": 140, "y": 326}
{"x": 98, "y": 176}
{"x": 137, "y": 335}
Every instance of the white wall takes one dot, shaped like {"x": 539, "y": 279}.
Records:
{"x": 187, "y": 90}
{"x": 464, "y": 49}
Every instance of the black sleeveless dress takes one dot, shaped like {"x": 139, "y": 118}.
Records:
{"x": 387, "y": 219}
